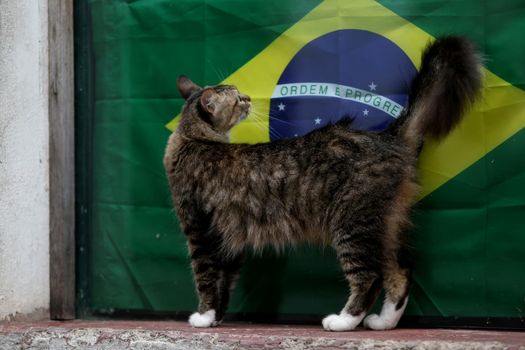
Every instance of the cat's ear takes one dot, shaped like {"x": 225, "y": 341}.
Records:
{"x": 186, "y": 86}
{"x": 207, "y": 100}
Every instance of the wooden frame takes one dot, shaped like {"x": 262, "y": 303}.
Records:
{"x": 61, "y": 160}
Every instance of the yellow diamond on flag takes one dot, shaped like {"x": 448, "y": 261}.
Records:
{"x": 501, "y": 109}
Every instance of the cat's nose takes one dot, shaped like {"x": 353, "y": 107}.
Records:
{"x": 245, "y": 98}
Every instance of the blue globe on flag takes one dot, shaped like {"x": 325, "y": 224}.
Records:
{"x": 344, "y": 74}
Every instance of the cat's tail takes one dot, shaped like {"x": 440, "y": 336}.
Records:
{"x": 448, "y": 82}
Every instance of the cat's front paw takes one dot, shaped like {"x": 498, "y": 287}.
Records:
{"x": 342, "y": 322}
{"x": 206, "y": 319}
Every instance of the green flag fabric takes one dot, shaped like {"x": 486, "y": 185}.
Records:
{"x": 469, "y": 232}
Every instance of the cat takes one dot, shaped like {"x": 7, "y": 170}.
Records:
{"x": 336, "y": 186}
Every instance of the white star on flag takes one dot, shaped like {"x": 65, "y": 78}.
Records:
{"x": 365, "y": 112}
{"x": 281, "y": 106}
{"x": 318, "y": 120}
{"x": 372, "y": 86}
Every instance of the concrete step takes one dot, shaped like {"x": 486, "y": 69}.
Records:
{"x": 179, "y": 335}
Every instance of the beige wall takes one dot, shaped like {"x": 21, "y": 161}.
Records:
{"x": 24, "y": 153}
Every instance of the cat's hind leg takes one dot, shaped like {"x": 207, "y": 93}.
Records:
{"x": 397, "y": 263}
{"x": 357, "y": 250}
{"x": 396, "y": 299}
{"x": 396, "y": 283}
{"x": 229, "y": 273}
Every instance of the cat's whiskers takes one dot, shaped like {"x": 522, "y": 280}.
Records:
{"x": 273, "y": 133}
{"x": 258, "y": 124}
{"x": 255, "y": 119}
{"x": 272, "y": 130}
{"x": 281, "y": 120}
{"x": 259, "y": 119}
{"x": 264, "y": 126}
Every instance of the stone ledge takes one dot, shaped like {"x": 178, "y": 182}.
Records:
{"x": 230, "y": 336}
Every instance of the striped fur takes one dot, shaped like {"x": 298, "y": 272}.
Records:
{"x": 350, "y": 189}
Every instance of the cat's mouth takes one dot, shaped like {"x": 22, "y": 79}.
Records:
{"x": 243, "y": 116}
{"x": 247, "y": 109}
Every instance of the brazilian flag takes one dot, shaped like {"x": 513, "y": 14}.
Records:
{"x": 295, "y": 59}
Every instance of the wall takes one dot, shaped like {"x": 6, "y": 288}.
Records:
{"x": 24, "y": 153}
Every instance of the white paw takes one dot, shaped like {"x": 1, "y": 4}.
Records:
{"x": 342, "y": 322}
{"x": 388, "y": 318}
{"x": 206, "y": 319}
{"x": 374, "y": 321}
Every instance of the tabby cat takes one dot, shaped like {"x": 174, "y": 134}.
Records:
{"x": 336, "y": 186}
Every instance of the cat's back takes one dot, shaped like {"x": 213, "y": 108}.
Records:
{"x": 339, "y": 143}
{"x": 335, "y": 150}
